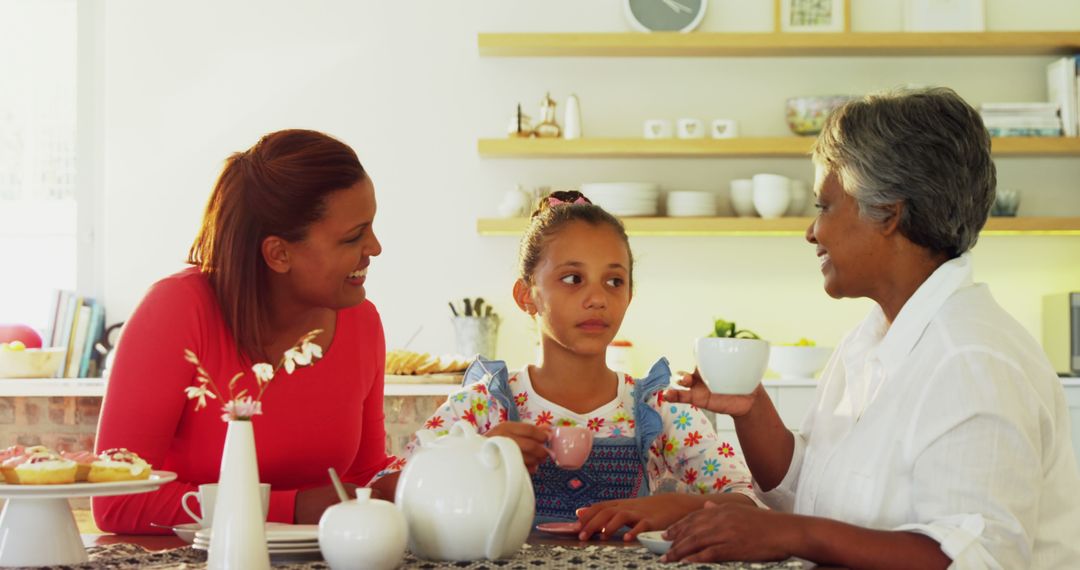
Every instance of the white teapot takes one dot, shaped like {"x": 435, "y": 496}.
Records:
{"x": 466, "y": 496}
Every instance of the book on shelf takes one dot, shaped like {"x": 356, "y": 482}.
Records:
{"x": 1023, "y": 109}
{"x": 78, "y": 323}
{"x": 64, "y": 327}
{"x": 1023, "y": 132}
{"x": 95, "y": 331}
{"x": 1061, "y": 88}
{"x": 80, "y": 328}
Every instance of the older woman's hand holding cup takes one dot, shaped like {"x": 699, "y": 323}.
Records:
{"x": 728, "y": 375}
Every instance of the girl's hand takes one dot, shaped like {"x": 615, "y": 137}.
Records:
{"x": 529, "y": 438}
{"x": 640, "y": 514}
{"x": 731, "y": 531}
{"x": 700, "y": 396}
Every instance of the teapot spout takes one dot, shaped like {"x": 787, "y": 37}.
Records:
{"x": 425, "y": 437}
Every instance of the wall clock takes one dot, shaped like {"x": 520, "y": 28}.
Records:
{"x": 665, "y": 15}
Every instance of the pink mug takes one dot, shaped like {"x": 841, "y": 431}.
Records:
{"x": 569, "y": 446}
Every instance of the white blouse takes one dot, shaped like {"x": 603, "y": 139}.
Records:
{"x": 950, "y": 423}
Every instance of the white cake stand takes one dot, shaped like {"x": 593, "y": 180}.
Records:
{"x": 37, "y": 527}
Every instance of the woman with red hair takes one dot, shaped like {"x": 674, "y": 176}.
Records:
{"x": 284, "y": 249}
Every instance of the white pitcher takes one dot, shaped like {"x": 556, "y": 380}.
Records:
{"x": 465, "y": 496}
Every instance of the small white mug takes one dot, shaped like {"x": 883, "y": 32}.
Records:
{"x": 724, "y": 129}
{"x": 742, "y": 197}
{"x": 207, "y": 494}
{"x": 657, "y": 129}
{"x": 690, "y": 129}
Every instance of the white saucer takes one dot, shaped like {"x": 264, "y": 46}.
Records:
{"x": 273, "y": 549}
{"x": 281, "y": 538}
{"x": 654, "y": 541}
{"x": 186, "y": 532}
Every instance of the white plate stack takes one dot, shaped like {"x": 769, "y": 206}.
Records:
{"x": 691, "y": 204}
{"x": 281, "y": 539}
{"x": 624, "y": 199}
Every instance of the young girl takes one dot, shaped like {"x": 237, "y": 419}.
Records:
{"x": 576, "y": 280}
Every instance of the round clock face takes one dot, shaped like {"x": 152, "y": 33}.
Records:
{"x": 665, "y": 15}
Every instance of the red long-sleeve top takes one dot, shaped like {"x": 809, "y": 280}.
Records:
{"x": 329, "y": 414}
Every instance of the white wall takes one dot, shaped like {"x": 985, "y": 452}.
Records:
{"x": 187, "y": 83}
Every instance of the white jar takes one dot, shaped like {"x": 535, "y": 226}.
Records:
{"x": 363, "y": 534}
{"x": 572, "y": 120}
{"x": 618, "y": 356}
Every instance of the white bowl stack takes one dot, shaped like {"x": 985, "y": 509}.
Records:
{"x": 691, "y": 204}
{"x": 624, "y": 199}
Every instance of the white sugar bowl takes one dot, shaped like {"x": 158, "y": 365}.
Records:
{"x": 363, "y": 534}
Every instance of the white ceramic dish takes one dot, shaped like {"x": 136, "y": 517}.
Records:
{"x": 792, "y": 362}
{"x": 654, "y": 541}
{"x": 31, "y": 362}
{"x": 186, "y": 532}
{"x": 280, "y": 534}
{"x": 37, "y": 524}
{"x": 156, "y": 479}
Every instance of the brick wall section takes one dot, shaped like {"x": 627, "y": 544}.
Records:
{"x": 69, "y": 424}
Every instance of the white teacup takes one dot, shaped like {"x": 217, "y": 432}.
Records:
{"x": 800, "y": 195}
{"x": 657, "y": 129}
{"x": 772, "y": 194}
{"x": 725, "y": 129}
{"x": 207, "y": 494}
{"x": 731, "y": 365}
{"x": 690, "y": 128}
{"x": 742, "y": 197}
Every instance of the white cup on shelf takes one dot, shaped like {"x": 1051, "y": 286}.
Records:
{"x": 742, "y": 197}
{"x": 657, "y": 129}
{"x": 799, "y": 197}
{"x": 772, "y": 194}
{"x": 724, "y": 129}
{"x": 690, "y": 129}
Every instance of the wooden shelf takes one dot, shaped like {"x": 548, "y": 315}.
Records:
{"x": 712, "y": 44}
{"x": 48, "y": 387}
{"x": 743, "y": 147}
{"x": 731, "y": 226}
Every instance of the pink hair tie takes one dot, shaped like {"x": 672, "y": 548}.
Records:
{"x": 553, "y": 201}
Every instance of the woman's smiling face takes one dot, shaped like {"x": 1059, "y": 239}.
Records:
{"x": 849, "y": 246}
{"x": 330, "y": 264}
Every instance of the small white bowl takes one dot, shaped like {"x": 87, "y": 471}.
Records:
{"x": 792, "y": 362}
{"x": 654, "y": 541}
{"x": 772, "y": 195}
{"x": 731, "y": 365}
{"x": 31, "y": 362}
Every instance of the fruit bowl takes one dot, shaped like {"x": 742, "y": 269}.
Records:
{"x": 798, "y": 361}
{"x": 31, "y": 362}
{"x": 806, "y": 115}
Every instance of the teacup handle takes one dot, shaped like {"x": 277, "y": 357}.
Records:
{"x": 184, "y": 505}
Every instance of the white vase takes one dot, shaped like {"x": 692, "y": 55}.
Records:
{"x": 238, "y": 537}
{"x": 572, "y": 122}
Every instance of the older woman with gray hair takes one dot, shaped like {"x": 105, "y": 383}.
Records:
{"x": 939, "y": 435}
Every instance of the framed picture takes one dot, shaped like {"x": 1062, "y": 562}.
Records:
{"x": 944, "y": 15}
{"x": 813, "y": 16}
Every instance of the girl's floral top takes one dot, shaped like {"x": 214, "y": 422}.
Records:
{"x": 687, "y": 457}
